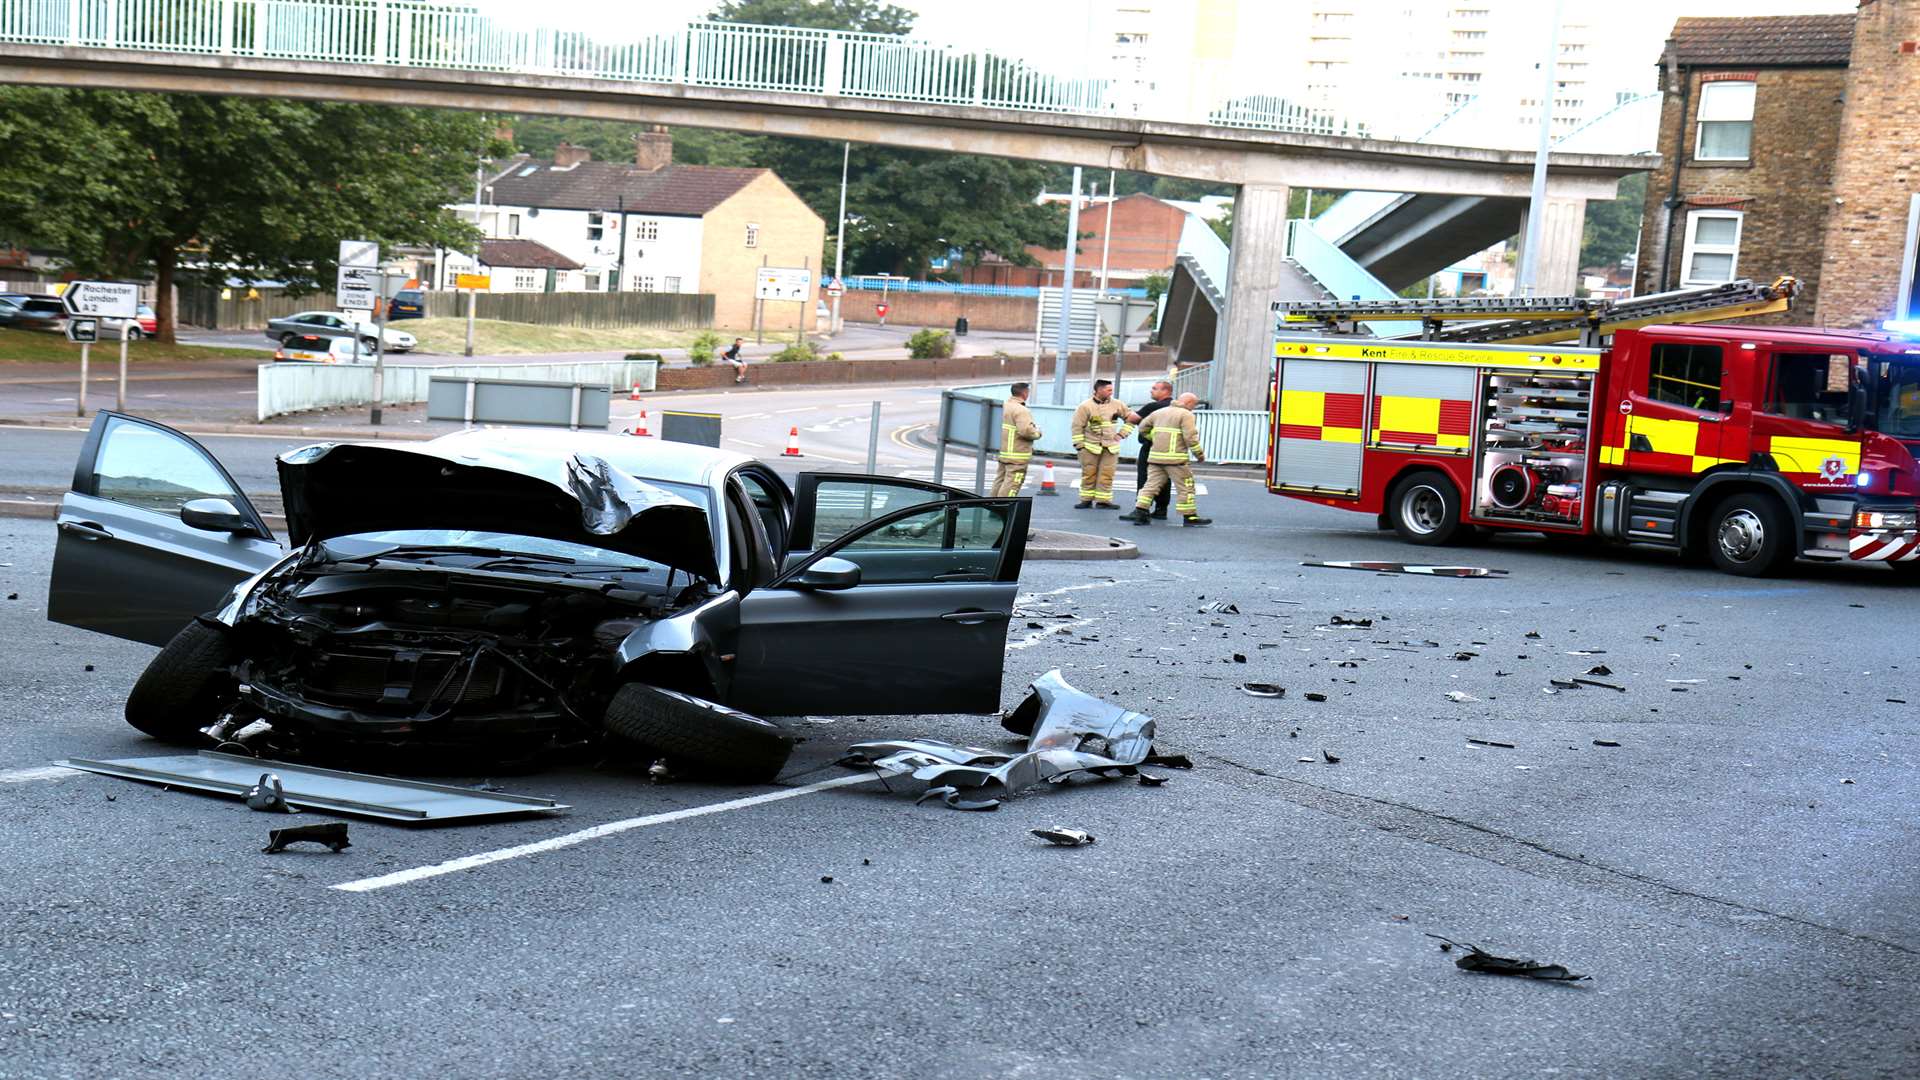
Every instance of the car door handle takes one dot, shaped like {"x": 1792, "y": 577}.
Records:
{"x": 973, "y": 617}
{"x": 86, "y": 530}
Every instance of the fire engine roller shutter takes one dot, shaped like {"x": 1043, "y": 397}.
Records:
{"x": 1319, "y": 439}
{"x": 1425, "y": 405}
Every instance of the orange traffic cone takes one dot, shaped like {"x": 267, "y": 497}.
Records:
{"x": 634, "y": 394}
{"x": 793, "y": 443}
{"x": 640, "y": 425}
{"x": 1046, "y": 478}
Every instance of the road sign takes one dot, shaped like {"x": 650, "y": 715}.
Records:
{"x": 359, "y": 253}
{"x": 782, "y": 283}
{"x": 473, "y": 281}
{"x": 102, "y": 299}
{"x": 83, "y": 330}
{"x": 880, "y": 310}
{"x": 835, "y": 287}
{"x": 356, "y": 288}
{"x": 1123, "y": 316}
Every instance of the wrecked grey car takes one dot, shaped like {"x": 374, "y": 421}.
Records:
{"x": 523, "y": 588}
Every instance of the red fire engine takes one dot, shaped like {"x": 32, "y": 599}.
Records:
{"x": 1749, "y": 445}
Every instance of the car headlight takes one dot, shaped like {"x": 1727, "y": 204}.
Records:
{"x": 1884, "y": 519}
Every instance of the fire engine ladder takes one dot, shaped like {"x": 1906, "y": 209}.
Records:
{"x": 1531, "y": 320}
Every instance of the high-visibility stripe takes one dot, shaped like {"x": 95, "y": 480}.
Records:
{"x": 1548, "y": 359}
{"x": 1665, "y": 436}
{"x": 1800, "y": 455}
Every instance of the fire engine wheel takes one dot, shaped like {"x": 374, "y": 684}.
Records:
{"x": 1425, "y": 509}
{"x": 1751, "y": 535}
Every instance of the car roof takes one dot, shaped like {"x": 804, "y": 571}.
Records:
{"x": 648, "y": 459}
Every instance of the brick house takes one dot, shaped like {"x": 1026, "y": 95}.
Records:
{"x": 1785, "y": 149}
{"x": 654, "y": 226}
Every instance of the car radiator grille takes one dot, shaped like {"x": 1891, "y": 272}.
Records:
{"x": 405, "y": 676}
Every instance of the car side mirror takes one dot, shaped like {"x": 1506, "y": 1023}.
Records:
{"x": 215, "y": 515}
{"x": 829, "y": 574}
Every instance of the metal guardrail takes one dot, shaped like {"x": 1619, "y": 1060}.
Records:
{"x": 527, "y": 402}
{"x": 456, "y": 36}
{"x": 294, "y": 387}
{"x": 873, "y": 283}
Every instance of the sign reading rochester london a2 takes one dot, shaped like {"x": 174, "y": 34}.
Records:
{"x": 102, "y": 299}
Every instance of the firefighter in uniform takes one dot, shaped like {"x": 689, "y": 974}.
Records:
{"x": 1172, "y": 435}
{"x": 1017, "y": 434}
{"x": 1098, "y": 426}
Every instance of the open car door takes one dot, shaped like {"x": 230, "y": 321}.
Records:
{"x": 126, "y": 561}
{"x": 921, "y": 627}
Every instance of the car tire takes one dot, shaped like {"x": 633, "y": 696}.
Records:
{"x": 369, "y": 343}
{"x": 698, "y": 734}
{"x": 286, "y": 338}
{"x": 1424, "y": 509}
{"x": 135, "y": 334}
{"x": 184, "y": 686}
{"x": 1750, "y": 535}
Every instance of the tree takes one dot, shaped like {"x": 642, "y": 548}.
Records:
{"x": 864, "y": 16}
{"x": 1612, "y": 229}
{"x": 130, "y": 185}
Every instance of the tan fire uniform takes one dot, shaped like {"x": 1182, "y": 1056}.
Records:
{"x": 1098, "y": 428}
{"x": 1017, "y": 433}
{"x": 1171, "y": 435}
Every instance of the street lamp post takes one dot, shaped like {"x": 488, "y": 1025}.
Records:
{"x": 840, "y": 236}
{"x": 1537, "y": 201}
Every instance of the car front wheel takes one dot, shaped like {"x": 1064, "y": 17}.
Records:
{"x": 698, "y": 734}
{"x": 185, "y": 686}
{"x": 135, "y": 333}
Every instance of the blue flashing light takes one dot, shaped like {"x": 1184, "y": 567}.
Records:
{"x": 1903, "y": 327}
{"x": 1864, "y": 480}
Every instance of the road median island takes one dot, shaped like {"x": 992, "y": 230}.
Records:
{"x": 1058, "y": 545}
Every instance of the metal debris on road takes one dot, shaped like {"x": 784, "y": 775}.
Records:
{"x": 1314, "y": 695}
{"x": 331, "y": 833}
{"x": 1564, "y": 684}
{"x": 1219, "y": 607}
{"x": 268, "y": 794}
{"x": 1070, "y": 735}
{"x": 1489, "y": 742}
{"x": 1601, "y": 685}
{"x": 1332, "y": 759}
{"x": 1478, "y": 959}
{"x": 1605, "y": 742}
{"x": 1064, "y": 837}
{"x": 1408, "y": 568}
{"x": 1342, "y": 620}
{"x": 1261, "y": 689}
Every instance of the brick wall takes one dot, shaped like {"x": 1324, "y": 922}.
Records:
{"x": 1784, "y": 188}
{"x": 1876, "y": 174}
{"x": 940, "y": 309}
{"x": 790, "y": 234}
{"x": 958, "y": 371}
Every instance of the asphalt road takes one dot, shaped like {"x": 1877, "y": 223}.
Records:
{"x": 1738, "y": 876}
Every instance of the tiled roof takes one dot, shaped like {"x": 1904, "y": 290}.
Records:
{"x": 676, "y": 190}
{"x": 524, "y": 255}
{"x": 1765, "y": 41}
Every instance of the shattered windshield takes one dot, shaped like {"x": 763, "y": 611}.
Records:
{"x": 1896, "y": 396}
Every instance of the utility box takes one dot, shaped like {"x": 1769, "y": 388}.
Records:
{"x": 698, "y": 428}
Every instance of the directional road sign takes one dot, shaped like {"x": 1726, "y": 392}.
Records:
{"x": 102, "y": 299}
{"x": 782, "y": 283}
{"x": 357, "y": 287}
{"x": 83, "y": 330}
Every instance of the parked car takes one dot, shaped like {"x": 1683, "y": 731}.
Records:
{"x": 145, "y": 324}
{"x": 338, "y": 324}
{"x": 24, "y": 311}
{"x": 323, "y": 350}
{"x": 407, "y": 304}
{"x": 526, "y": 587}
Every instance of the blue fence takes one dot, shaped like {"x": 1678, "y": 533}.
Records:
{"x": 864, "y": 283}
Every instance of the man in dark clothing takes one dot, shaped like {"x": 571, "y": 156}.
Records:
{"x": 732, "y": 356}
{"x": 1162, "y": 397}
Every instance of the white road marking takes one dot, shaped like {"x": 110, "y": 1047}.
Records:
{"x": 611, "y": 828}
{"x": 743, "y": 442}
{"x": 789, "y": 412}
{"x": 44, "y": 772}
{"x": 1026, "y": 597}
{"x": 752, "y": 416}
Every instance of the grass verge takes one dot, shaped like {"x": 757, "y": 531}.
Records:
{"x": 33, "y": 347}
{"x": 493, "y": 337}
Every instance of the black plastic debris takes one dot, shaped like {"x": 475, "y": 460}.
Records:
{"x": 331, "y": 833}
{"x": 1261, "y": 689}
{"x": 1150, "y": 780}
{"x": 13, "y": 596}
{"x": 1490, "y": 742}
{"x": 1342, "y": 620}
{"x": 1408, "y": 568}
{"x": 1564, "y": 684}
{"x": 1059, "y": 836}
{"x": 1533, "y": 633}
{"x": 1331, "y": 759}
{"x": 1478, "y": 959}
{"x": 1169, "y": 761}
{"x": 1599, "y": 669}
{"x": 89, "y": 667}
{"x": 1315, "y": 696}
{"x": 268, "y": 794}
{"x": 1605, "y": 742}
{"x": 1465, "y": 655}
{"x": 826, "y": 879}
{"x": 1239, "y": 658}
{"x": 1601, "y": 685}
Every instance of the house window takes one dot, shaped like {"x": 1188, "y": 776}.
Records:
{"x": 753, "y": 234}
{"x": 596, "y": 226}
{"x": 671, "y": 284}
{"x": 593, "y": 282}
{"x": 647, "y": 230}
{"x": 1685, "y": 375}
{"x": 526, "y": 280}
{"x": 513, "y": 224}
{"x": 1712, "y": 254}
{"x": 643, "y": 283}
{"x": 1726, "y": 122}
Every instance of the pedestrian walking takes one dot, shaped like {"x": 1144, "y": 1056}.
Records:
{"x": 1017, "y": 435}
{"x": 1162, "y": 397}
{"x": 732, "y": 356}
{"x": 1172, "y": 436}
{"x": 1098, "y": 426}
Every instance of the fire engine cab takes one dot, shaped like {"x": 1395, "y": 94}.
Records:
{"x": 1634, "y": 422}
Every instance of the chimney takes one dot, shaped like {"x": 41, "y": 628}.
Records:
{"x": 653, "y": 149}
{"x": 567, "y": 155}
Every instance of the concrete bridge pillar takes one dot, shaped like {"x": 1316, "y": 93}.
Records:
{"x": 1558, "y": 271}
{"x": 1243, "y": 361}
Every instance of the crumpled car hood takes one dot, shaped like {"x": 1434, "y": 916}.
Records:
{"x": 338, "y": 489}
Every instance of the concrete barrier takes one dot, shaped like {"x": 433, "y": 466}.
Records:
{"x": 295, "y": 387}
